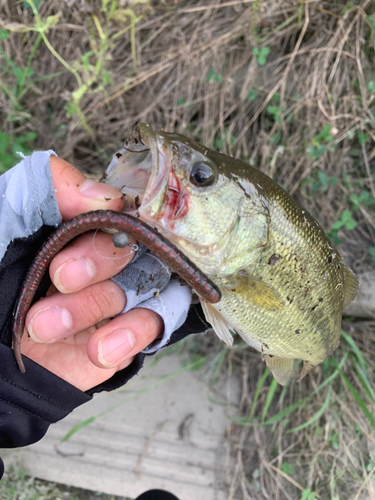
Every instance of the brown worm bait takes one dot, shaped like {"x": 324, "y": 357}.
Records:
{"x": 104, "y": 219}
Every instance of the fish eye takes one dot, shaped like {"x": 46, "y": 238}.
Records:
{"x": 202, "y": 174}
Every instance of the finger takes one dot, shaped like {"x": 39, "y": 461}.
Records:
{"x": 89, "y": 259}
{"x": 60, "y": 316}
{"x": 68, "y": 360}
{"x": 112, "y": 345}
{"x": 76, "y": 194}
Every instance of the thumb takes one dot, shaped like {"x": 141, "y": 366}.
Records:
{"x": 76, "y": 194}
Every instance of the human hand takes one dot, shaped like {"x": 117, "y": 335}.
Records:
{"x": 70, "y": 331}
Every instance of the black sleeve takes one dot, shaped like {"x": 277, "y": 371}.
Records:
{"x": 30, "y": 402}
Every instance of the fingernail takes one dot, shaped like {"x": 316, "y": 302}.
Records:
{"x": 74, "y": 274}
{"x": 100, "y": 191}
{"x": 115, "y": 347}
{"x": 50, "y": 324}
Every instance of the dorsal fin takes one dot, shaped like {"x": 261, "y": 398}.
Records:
{"x": 351, "y": 287}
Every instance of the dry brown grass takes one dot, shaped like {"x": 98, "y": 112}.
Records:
{"x": 190, "y": 67}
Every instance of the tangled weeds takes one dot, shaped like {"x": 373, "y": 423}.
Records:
{"x": 289, "y": 86}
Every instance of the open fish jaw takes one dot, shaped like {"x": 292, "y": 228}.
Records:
{"x": 140, "y": 172}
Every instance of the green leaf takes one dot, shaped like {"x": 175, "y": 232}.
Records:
{"x": 337, "y": 225}
{"x": 325, "y": 133}
{"x": 365, "y": 199}
{"x": 212, "y": 76}
{"x": 30, "y": 136}
{"x": 356, "y": 201}
{"x": 323, "y": 179}
{"x": 7, "y": 162}
{"x": 275, "y": 111}
{"x": 350, "y": 224}
{"x": 261, "y": 60}
{"x": 371, "y": 86}
{"x": 4, "y": 142}
{"x": 362, "y": 138}
{"x": 371, "y": 251}
{"x": 18, "y": 73}
{"x": 28, "y": 6}
{"x": 4, "y": 35}
{"x": 252, "y": 94}
{"x": 287, "y": 468}
{"x": 332, "y": 235}
{"x": 70, "y": 108}
{"x": 346, "y": 215}
{"x": 261, "y": 54}
{"x": 316, "y": 152}
{"x": 307, "y": 494}
{"x": 333, "y": 181}
{"x": 19, "y": 146}
{"x": 219, "y": 144}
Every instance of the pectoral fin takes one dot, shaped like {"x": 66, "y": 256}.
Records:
{"x": 254, "y": 291}
{"x": 217, "y": 322}
{"x": 281, "y": 368}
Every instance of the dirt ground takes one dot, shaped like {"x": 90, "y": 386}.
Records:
{"x": 288, "y": 86}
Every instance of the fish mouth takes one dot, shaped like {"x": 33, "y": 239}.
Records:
{"x": 142, "y": 170}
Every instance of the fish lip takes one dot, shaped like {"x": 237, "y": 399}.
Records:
{"x": 143, "y": 170}
{"x": 153, "y": 202}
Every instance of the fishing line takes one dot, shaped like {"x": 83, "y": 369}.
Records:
{"x": 131, "y": 248}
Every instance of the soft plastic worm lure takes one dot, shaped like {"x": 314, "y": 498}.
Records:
{"x": 104, "y": 219}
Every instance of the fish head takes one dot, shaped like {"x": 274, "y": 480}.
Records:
{"x": 183, "y": 189}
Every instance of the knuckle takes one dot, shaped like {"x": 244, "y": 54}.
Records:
{"x": 100, "y": 302}
{"x": 150, "y": 322}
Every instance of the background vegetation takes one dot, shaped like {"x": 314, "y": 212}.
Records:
{"x": 289, "y": 86}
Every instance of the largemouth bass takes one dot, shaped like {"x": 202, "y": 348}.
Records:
{"x": 284, "y": 285}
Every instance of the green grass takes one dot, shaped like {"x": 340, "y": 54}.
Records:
{"x": 11, "y": 146}
{"x": 18, "y": 485}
